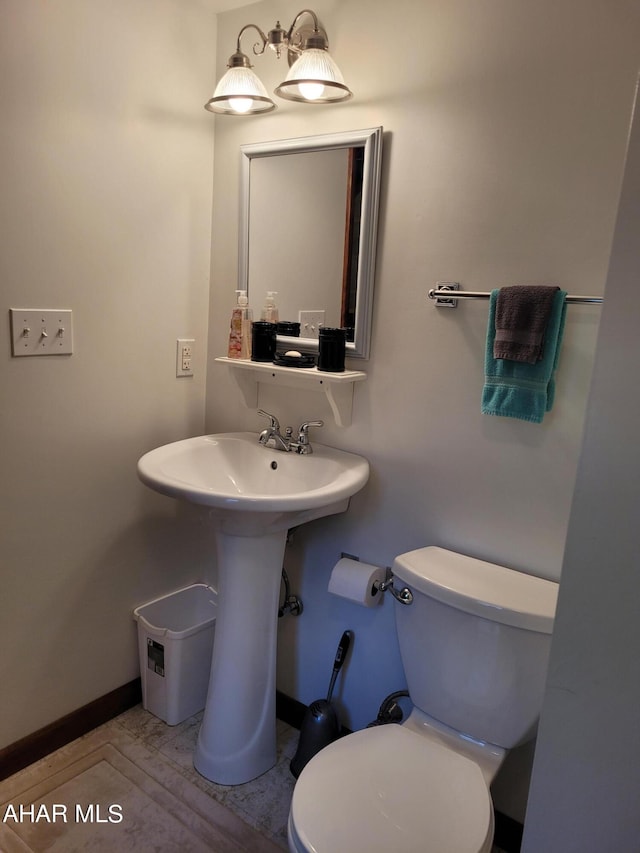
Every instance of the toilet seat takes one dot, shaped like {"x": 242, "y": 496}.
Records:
{"x": 389, "y": 788}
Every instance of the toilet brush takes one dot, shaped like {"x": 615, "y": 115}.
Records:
{"x": 320, "y": 725}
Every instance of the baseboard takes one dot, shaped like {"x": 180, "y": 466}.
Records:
{"x": 289, "y": 710}
{"x": 31, "y": 748}
{"x": 508, "y": 833}
{"x": 43, "y": 742}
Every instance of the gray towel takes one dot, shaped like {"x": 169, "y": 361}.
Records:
{"x": 522, "y": 315}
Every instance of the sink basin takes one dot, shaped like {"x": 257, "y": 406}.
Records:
{"x": 254, "y": 495}
{"x": 253, "y": 489}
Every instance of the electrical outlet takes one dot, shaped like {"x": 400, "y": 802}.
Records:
{"x": 310, "y": 322}
{"x": 184, "y": 356}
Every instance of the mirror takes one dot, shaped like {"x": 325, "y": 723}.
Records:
{"x": 308, "y": 224}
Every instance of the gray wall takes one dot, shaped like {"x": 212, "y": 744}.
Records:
{"x": 106, "y": 209}
{"x": 584, "y": 795}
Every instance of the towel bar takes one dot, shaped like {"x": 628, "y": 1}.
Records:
{"x": 446, "y": 295}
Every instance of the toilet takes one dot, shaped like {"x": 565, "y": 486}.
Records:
{"x": 474, "y": 643}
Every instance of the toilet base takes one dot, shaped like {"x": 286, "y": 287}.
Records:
{"x": 487, "y": 756}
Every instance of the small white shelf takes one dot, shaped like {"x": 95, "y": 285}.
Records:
{"x": 337, "y": 387}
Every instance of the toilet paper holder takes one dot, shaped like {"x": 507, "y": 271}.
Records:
{"x": 404, "y": 595}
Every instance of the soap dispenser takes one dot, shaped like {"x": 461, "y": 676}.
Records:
{"x": 240, "y": 333}
{"x": 270, "y": 309}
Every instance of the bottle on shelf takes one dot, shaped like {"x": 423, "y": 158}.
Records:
{"x": 270, "y": 309}
{"x": 240, "y": 332}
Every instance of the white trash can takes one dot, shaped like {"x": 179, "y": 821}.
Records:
{"x": 175, "y": 644}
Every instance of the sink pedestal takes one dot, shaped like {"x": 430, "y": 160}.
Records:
{"x": 254, "y": 495}
{"x": 237, "y": 739}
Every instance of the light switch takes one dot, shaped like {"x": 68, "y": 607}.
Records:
{"x": 37, "y": 331}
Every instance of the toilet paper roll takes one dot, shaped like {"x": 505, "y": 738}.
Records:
{"x": 355, "y": 581}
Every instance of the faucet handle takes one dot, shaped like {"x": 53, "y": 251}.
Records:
{"x": 274, "y": 423}
{"x": 303, "y": 430}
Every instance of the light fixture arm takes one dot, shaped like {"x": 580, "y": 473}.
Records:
{"x": 318, "y": 33}
{"x": 258, "y": 49}
{"x": 316, "y": 25}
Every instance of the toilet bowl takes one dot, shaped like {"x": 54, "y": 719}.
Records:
{"x": 474, "y": 647}
{"x": 369, "y": 792}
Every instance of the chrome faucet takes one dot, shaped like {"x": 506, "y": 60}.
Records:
{"x": 272, "y": 433}
{"x": 286, "y": 442}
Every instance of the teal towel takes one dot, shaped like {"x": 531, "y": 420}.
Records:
{"x": 514, "y": 389}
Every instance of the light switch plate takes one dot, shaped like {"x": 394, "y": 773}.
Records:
{"x": 310, "y": 322}
{"x": 38, "y": 331}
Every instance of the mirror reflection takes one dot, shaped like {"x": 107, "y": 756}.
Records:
{"x": 309, "y": 211}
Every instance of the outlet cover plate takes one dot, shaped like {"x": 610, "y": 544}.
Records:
{"x": 184, "y": 356}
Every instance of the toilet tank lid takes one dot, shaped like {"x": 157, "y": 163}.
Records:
{"x": 493, "y": 592}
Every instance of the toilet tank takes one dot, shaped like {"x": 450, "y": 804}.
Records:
{"x": 475, "y": 643}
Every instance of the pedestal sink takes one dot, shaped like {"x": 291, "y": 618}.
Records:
{"x": 254, "y": 494}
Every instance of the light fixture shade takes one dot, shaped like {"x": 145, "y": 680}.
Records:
{"x": 240, "y": 92}
{"x": 314, "y": 78}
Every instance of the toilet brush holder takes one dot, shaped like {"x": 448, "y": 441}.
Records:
{"x": 320, "y": 725}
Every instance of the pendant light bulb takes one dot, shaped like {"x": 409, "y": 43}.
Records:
{"x": 240, "y": 105}
{"x": 311, "y": 91}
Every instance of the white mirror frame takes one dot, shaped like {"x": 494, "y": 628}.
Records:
{"x": 371, "y": 140}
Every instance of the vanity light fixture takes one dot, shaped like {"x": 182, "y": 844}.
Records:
{"x": 313, "y": 78}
